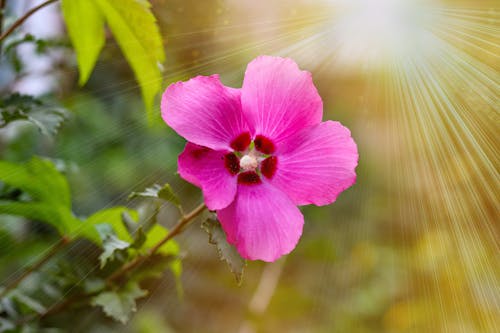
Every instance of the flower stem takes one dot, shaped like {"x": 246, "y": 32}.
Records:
{"x": 177, "y": 229}
{"x": 53, "y": 251}
{"x": 23, "y": 18}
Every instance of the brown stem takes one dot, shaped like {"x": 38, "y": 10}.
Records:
{"x": 177, "y": 229}
{"x": 60, "y": 306}
{"x": 23, "y": 18}
{"x": 53, "y": 251}
{"x": 2, "y": 14}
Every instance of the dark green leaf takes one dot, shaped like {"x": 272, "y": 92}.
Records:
{"x": 47, "y": 118}
{"x": 28, "y": 301}
{"x": 139, "y": 238}
{"x": 226, "y": 251}
{"x": 120, "y": 304}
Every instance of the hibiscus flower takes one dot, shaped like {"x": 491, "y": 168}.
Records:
{"x": 260, "y": 151}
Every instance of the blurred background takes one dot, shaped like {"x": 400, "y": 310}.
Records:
{"x": 412, "y": 247}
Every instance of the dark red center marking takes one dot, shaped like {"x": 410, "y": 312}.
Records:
{"x": 264, "y": 145}
{"x": 241, "y": 142}
{"x": 232, "y": 163}
{"x": 249, "y": 178}
{"x": 200, "y": 152}
{"x": 268, "y": 166}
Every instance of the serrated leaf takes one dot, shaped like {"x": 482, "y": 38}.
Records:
{"x": 17, "y": 107}
{"x": 85, "y": 25}
{"x": 164, "y": 192}
{"x": 134, "y": 28}
{"x": 111, "y": 244}
{"x": 226, "y": 251}
{"x": 120, "y": 304}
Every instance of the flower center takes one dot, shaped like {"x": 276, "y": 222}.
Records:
{"x": 249, "y": 163}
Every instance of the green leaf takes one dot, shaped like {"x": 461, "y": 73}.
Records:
{"x": 164, "y": 192}
{"x": 48, "y": 197}
{"x": 28, "y": 301}
{"x": 170, "y": 248}
{"x": 6, "y": 325}
{"x": 137, "y": 34}
{"x": 17, "y": 107}
{"x": 120, "y": 304}
{"x": 226, "y": 251}
{"x": 113, "y": 217}
{"x": 111, "y": 245}
{"x": 85, "y": 25}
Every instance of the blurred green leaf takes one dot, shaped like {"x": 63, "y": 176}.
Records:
{"x": 49, "y": 196}
{"x": 135, "y": 29}
{"x": 28, "y": 301}
{"x": 164, "y": 192}
{"x": 226, "y": 251}
{"x": 113, "y": 217}
{"x": 85, "y": 25}
{"x": 121, "y": 303}
{"x": 111, "y": 244}
{"x": 15, "y": 107}
{"x": 6, "y": 325}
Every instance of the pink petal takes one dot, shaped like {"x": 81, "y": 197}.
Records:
{"x": 316, "y": 165}
{"x": 262, "y": 222}
{"x": 205, "y": 168}
{"x": 204, "y": 111}
{"x": 278, "y": 98}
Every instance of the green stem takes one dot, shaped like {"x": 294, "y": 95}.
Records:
{"x": 52, "y": 252}
{"x": 23, "y": 18}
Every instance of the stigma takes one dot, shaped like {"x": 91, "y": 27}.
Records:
{"x": 249, "y": 163}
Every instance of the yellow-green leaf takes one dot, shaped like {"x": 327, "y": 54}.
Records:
{"x": 85, "y": 25}
{"x": 134, "y": 28}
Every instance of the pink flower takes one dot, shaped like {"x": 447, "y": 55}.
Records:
{"x": 259, "y": 151}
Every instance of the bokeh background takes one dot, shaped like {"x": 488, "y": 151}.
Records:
{"x": 412, "y": 247}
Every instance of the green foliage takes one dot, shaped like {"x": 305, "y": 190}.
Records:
{"x": 85, "y": 25}
{"x": 134, "y": 28}
{"x": 121, "y": 303}
{"x": 47, "y": 196}
{"x": 164, "y": 192}
{"x": 111, "y": 245}
{"x": 15, "y": 107}
{"x": 226, "y": 251}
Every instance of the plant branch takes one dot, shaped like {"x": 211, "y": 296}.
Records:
{"x": 23, "y": 18}
{"x": 2, "y": 14}
{"x": 53, "y": 251}
{"x": 177, "y": 229}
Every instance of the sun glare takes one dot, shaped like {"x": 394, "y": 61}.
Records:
{"x": 371, "y": 32}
